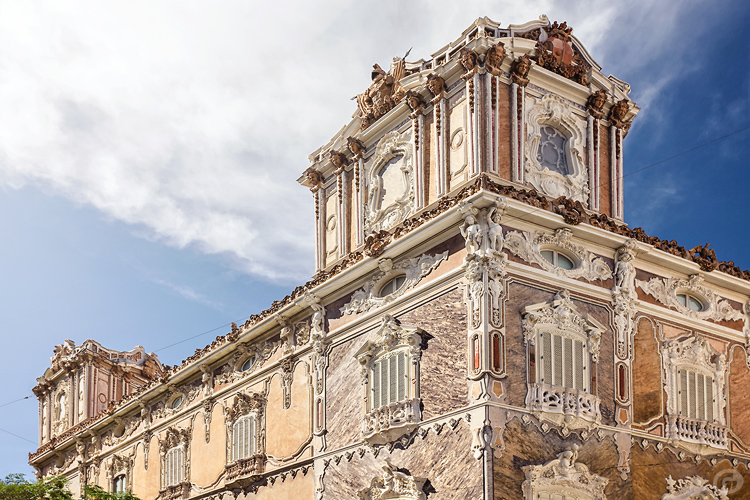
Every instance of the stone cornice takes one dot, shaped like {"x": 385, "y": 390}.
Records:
{"x": 572, "y": 213}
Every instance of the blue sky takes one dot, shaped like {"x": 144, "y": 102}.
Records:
{"x": 148, "y": 153}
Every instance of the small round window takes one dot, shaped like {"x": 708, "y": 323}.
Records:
{"x": 176, "y": 402}
{"x": 392, "y": 285}
{"x": 690, "y": 302}
{"x": 557, "y": 259}
{"x": 248, "y": 364}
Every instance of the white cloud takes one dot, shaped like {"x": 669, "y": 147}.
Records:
{"x": 192, "y": 121}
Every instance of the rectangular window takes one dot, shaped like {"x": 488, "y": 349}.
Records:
{"x": 389, "y": 380}
{"x": 696, "y": 395}
{"x": 562, "y": 361}
{"x": 243, "y": 438}
{"x": 173, "y": 463}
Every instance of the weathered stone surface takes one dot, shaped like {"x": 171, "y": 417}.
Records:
{"x": 647, "y": 386}
{"x": 739, "y": 396}
{"x": 444, "y": 459}
{"x": 526, "y": 445}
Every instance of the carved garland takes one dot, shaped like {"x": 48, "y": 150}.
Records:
{"x": 564, "y": 477}
{"x": 552, "y": 110}
{"x": 665, "y": 290}
{"x": 415, "y": 269}
{"x": 529, "y": 247}
{"x": 392, "y": 147}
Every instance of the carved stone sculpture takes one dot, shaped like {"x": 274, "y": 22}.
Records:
{"x": 494, "y": 58}
{"x": 519, "y": 70}
{"x": 415, "y": 101}
{"x": 714, "y": 307}
{"x": 705, "y": 257}
{"x": 356, "y": 147}
{"x": 563, "y": 473}
{"x": 472, "y": 233}
{"x": 618, "y": 113}
{"x": 693, "y": 487}
{"x": 595, "y": 104}
{"x": 625, "y": 270}
{"x": 436, "y": 86}
{"x": 394, "y": 484}
{"x": 469, "y": 61}
{"x": 338, "y": 159}
{"x": 555, "y": 53}
{"x": 384, "y": 93}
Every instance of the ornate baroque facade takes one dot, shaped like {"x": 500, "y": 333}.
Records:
{"x": 481, "y": 324}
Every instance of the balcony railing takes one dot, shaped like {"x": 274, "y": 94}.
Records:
{"x": 175, "y": 492}
{"x": 391, "y": 421}
{"x": 697, "y": 431}
{"x": 245, "y": 468}
{"x": 564, "y": 401}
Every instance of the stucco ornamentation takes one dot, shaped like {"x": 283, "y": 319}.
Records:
{"x": 414, "y": 269}
{"x": 552, "y": 111}
{"x": 563, "y": 476}
{"x": 529, "y": 247}
{"x": 390, "y": 183}
{"x": 394, "y": 484}
{"x": 665, "y": 290}
{"x": 693, "y": 487}
{"x": 624, "y": 297}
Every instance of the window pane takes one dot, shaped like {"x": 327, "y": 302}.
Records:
{"x": 682, "y": 299}
{"x": 551, "y": 152}
{"x": 549, "y": 256}
{"x": 383, "y": 383}
{"x": 564, "y": 262}
{"x": 694, "y": 304}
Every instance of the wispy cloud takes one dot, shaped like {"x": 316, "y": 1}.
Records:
{"x": 188, "y": 293}
{"x": 192, "y": 124}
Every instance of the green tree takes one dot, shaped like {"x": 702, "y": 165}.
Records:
{"x": 16, "y": 487}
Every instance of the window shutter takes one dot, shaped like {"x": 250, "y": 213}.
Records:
{"x": 557, "y": 375}
{"x": 401, "y": 376}
{"x": 568, "y": 355}
{"x": 392, "y": 380}
{"x": 547, "y": 358}
{"x": 579, "y": 367}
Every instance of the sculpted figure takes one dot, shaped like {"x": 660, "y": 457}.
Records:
{"x": 315, "y": 178}
{"x": 338, "y": 160}
{"x": 472, "y": 232}
{"x": 436, "y": 85}
{"x": 618, "y": 112}
{"x": 356, "y": 147}
{"x": 469, "y": 61}
{"x": 494, "y": 59}
{"x": 595, "y": 103}
{"x": 495, "y": 232}
{"x": 625, "y": 270}
{"x": 519, "y": 70}
{"x": 414, "y": 100}
{"x": 383, "y": 94}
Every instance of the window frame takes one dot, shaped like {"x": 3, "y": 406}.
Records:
{"x": 245, "y": 406}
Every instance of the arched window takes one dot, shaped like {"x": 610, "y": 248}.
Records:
{"x": 552, "y": 153}
{"x": 249, "y": 362}
{"x": 119, "y": 484}
{"x": 558, "y": 259}
{"x": 174, "y": 463}
{"x": 390, "y": 367}
{"x": 243, "y": 438}
{"x": 392, "y": 285}
{"x": 687, "y": 300}
{"x": 562, "y": 347}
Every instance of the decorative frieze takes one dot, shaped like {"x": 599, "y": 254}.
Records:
{"x": 666, "y": 291}
{"x": 413, "y": 270}
{"x": 529, "y": 246}
{"x": 564, "y": 477}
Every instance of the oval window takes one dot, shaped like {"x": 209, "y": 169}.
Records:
{"x": 558, "y": 259}
{"x": 176, "y": 402}
{"x": 690, "y": 302}
{"x": 248, "y": 364}
{"x": 392, "y": 285}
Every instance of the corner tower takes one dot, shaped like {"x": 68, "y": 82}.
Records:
{"x": 524, "y": 107}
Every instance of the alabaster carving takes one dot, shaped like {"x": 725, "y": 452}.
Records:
{"x": 493, "y": 59}
{"x": 386, "y": 423}
{"x": 470, "y": 62}
{"x": 394, "y": 485}
{"x": 519, "y": 70}
{"x": 384, "y": 92}
{"x": 595, "y": 103}
{"x": 414, "y": 269}
{"x": 529, "y": 247}
{"x": 564, "y": 477}
{"x": 356, "y": 147}
{"x": 123, "y": 428}
{"x": 390, "y": 183}
{"x": 696, "y": 355}
{"x": 624, "y": 297}
{"x": 693, "y": 487}
{"x": 436, "y": 86}
{"x": 618, "y": 113}
{"x": 553, "y": 112}
{"x": 665, "y": 290}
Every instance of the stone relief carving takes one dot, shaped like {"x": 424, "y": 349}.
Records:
{"x": 470, "y": 62}
{"x": 123, "y": 428}
{"x": 665, "y": 290}
{"x": 519, "y": 70}
{"x": 563, "y": 476}
{"x": 624, "y": 297}
{"x": 390, "y": 183}
{"x": 555, "y": 53}
{"x": 287, "y": 378}
{"x": 694, "y": 354}
{"x": 384, "y": 92}
{"x": 493, "y": 59}
{"x": 595, "y": 103}
{"x": 232, "y": 371}
{"x": 693, "y": 487}
{"x": 391, "y": 421}
{"x": 529, "y": 246}
{"x": 394, "y": 484}
{"x": 414, "y": 270}
{"x": 119, "y": 465}
{"x": 552, "y": 111}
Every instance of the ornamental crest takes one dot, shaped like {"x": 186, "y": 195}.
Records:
{"x": 383, "y": 94}
{"x": 693, "y": 487}
{"x": 394, "y": 485}
{"x": 665, "y": 290}
{"x": 529, "y": 247}
{"x": 391, "y": 335}
{"x": 413, "y": 269}
{"x": 563, "y": 475}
